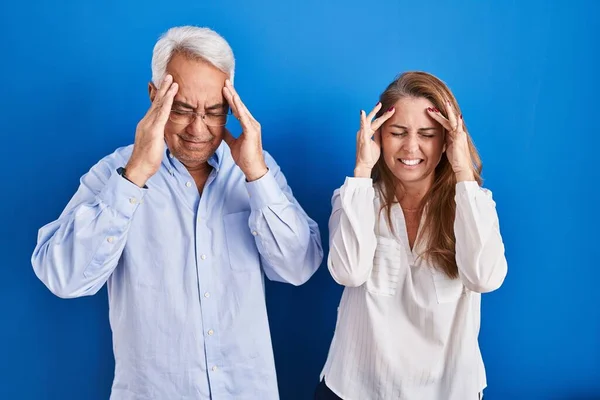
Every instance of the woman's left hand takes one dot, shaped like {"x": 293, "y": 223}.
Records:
{"x": 457, "y": 145}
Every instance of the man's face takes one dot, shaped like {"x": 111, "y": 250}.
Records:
{"x": 200, "y": 90}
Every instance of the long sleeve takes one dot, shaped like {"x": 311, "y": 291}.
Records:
{"x": 76, "y": 254}
{"x": 479, "y": 248}
{"x": 352, "y": 238}
{"x": 288, "y": 240}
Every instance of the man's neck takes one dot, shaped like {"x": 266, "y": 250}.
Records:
{"x": 200, "y": 174}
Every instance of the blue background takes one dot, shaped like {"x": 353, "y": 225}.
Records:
{"x": 74, "y": 84}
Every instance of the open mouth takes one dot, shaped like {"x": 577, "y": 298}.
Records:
{"x": 410, "y": 162}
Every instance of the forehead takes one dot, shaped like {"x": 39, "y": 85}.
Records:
{"x": 412, "y": 111}
{"x": 198, "y": 80}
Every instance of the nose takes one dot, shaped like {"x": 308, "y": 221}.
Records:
{"x": 197, "y": 127}
{"x": 411, "y": 144}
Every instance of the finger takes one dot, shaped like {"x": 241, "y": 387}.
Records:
{"x": 243, "y": 112}
{"x": 229, "y": 97}
{"x": 158, "y": 100}
{"x": 163, "y": 88}
{"x": 437, "y": 115}
{"x": 452, "y": 116}
{"x": 228, "y": 138}
{"x": 363, "y": 120}
{"x": 375, "y": 125}
{"x": 164, "y": 108}
{"x": 377, "y": 137}
{"x": 245, "y": 122}
{"x": 365, "y": 132}
{"x": 361, "y": 130}
{"x": 374, "y": 111}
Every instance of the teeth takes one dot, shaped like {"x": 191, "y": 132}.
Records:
{"x": 410, "y": 162}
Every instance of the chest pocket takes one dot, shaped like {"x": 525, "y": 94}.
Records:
{"x": 388, "y": 266}
{"x": 447, "y": 290}
{"x": 241, "y": 247}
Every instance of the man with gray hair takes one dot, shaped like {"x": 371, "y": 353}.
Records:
{"x": 182, "y": 228}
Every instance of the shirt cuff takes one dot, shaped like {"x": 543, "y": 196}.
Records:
{"x": 358, "y": 183}
{"x": 264, "y": 191}
{"x": 471, "y": 191}
{"x": 466, "y": 187}
{"x": 122, "y": 195}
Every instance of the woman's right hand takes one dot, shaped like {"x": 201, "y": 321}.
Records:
{"x": 368, "y": 141}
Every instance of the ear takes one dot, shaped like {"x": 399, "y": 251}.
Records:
{"x": 152, "y": 91}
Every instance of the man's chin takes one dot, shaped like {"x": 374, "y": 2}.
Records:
{"x": 196, "y": 155}
{"x": 193, "y": 152}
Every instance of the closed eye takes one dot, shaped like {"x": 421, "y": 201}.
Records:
{"x": 181, "y": 112}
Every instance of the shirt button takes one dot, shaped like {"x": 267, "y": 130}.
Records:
{"x": 214, "y": 368}
{"x": 254, "y": 233}
{"x": 203, "y": 256}
{"x": 188, "y": 184}
{"x": 133, "y": 200}
{"x": 207, "y": 295}
{"x": 210, "y": 332}
{"x": 110, "y": 239}
{"x": 171, "y": 155}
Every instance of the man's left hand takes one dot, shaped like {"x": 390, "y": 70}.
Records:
{"x": 246, "y": 150}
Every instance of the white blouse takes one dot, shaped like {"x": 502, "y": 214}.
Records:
{"x": 404, "y": 329}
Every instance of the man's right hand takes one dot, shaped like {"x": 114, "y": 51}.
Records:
{"x": 149, "y": 145}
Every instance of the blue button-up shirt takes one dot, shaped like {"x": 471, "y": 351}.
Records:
{"x": 185, "y": 272}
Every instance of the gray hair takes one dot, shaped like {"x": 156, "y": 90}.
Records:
{"x": 194, "y": 42}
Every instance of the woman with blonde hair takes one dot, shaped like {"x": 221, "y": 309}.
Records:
{"x": 415, "y": 240}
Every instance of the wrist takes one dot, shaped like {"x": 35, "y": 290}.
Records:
{"x": 464, "y": 176}
{"x": 256, "y": 172}
{"x": 362, "y": 172}
{"x": 136, "y": 174}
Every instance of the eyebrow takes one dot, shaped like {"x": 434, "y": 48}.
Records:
{"x": 420, "y": 129}
{"x": 219, "y": 106}
{"x": 181, "y": 104}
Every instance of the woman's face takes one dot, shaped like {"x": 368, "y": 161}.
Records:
{"x": 412, "y": 142}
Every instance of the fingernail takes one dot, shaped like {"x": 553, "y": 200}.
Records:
{"x": 460, "y": 116}
{"x": 429, "y": 109}
{"x": 391, "y": 109}
{"x": 436, "y": 110}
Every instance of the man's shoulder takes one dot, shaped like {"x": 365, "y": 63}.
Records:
{"x": 226, "y": 159}
{"x": 117, "y": 158}
{"x": 121, "y": 154}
